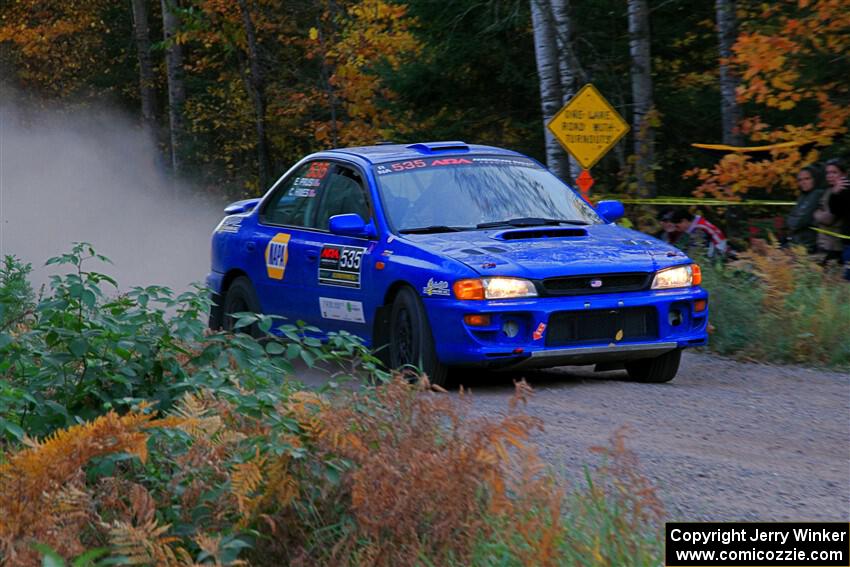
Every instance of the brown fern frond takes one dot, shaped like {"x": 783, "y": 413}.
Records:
{"x": 245, "y": 480}
{"x": 147, "y": 544}
{"x": 192, "y": 416}
{"x": 33, "y": 476}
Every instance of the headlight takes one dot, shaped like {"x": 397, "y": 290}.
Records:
{"x": 679, "y": 276}
{"x": 494, "y": 288}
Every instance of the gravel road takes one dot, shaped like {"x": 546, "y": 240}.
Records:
{"x": 724, "y": 441}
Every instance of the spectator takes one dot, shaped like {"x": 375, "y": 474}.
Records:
{"x": 839, "y": 203}
{"x": 696, "y": 231}
{"x": 801, "y": 218}
{"x": 669, "y": 233}
{"x": 829, "y": 217}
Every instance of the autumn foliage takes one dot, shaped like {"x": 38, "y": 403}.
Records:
{"x": 790, "y": 64}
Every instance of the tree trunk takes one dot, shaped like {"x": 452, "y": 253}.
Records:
{"x": 551, "y": 97}
{"x": 176, "y": 88}
{"x": 644, "y": 136}
{"x": 147, "y": 90}
{"x": 257, "y": 90}
{"x": 571, "y": 73}
{"x": 726, "y": 35}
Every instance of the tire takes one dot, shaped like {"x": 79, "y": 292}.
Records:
{"x": 240, "y": 297}
{"x": 411, "y": 341}
{"x": 655, "y": 370}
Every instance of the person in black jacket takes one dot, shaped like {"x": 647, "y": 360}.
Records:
{"x": 839, "y": 203}
{"x": 801, "y": 218}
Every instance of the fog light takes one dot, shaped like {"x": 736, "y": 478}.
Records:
{"x": 699, "y": 305}
{"x": 510, "y": 328}
{"x": 476, "y": 320}
{"x": 675, "y": 317}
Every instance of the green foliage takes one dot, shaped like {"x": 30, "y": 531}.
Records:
{"x": 779, "y": 306}
{"x": 16, "y": 294}
{"x": 244, "y": 465}
{"x": 80, "y": 352}
{"x": 50, "y": 558}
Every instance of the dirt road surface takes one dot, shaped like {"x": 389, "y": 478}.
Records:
{"x": 723, "y": 441}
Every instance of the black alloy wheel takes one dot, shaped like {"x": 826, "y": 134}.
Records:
{"x": 411, "y": 341}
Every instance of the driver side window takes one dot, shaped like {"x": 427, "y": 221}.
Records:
{"x": 294, "y": 203}
{"x": 344, "y": 193}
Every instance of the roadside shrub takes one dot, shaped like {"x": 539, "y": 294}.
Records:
{"x": 84, "y": 349}
{"x": 779, "y": 305}
{"x": 16, "y": 294}
{"x": 133, "y": 435}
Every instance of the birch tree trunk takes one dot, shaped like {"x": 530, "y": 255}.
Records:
{"x": 551, "y": 97}
{"x": 257, "y": 89}
{"x": 147, "y": 90}
{"x": 176, "y": 88}
{"x": 570, "y": 71}
{"x": 726, "y": 35}
{"x": 641, "y": 71}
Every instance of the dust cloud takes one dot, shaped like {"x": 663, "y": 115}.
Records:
{"x": 93, "y": 176}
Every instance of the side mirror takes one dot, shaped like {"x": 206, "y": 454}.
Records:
{"x": 610, "y": 211}
{"x": 351, "y": 224}
{"x": 242, "y": 206}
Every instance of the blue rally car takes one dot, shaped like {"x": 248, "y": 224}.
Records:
{"x": 456, "y": 255}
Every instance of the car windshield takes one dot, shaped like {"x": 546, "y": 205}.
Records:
{"x": 461, "y": 193}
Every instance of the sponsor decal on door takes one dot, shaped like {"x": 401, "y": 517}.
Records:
{"x": 341, "y": 265}
{"x": 277, "y": 253}
{"x": 341, "y": 310}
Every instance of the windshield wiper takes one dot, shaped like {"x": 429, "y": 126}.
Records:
{"x": 530, "y": 221}
{"x": 434, "y": 228}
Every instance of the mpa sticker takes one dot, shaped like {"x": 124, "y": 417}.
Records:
{"x": 277, "y": 253}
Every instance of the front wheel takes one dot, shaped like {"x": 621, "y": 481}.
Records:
{"x": 411, "y": 342}
{"x": 655, "y": 370}
{"x": 241, "y": 298}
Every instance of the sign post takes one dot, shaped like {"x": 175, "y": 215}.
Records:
{"x": 588, "y": 127}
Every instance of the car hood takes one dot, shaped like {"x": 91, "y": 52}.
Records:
{"x": 542, "y": 252}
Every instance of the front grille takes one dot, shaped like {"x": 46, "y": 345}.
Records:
{"x": 606, "y": 283}
{"x": 601, "y": 326}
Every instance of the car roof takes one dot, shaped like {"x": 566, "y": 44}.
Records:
{"x": 391, "y": 152}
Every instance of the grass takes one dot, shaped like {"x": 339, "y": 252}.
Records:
{"x": 778, "y": 305}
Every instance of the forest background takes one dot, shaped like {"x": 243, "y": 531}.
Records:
{"x": 235, "y": 91}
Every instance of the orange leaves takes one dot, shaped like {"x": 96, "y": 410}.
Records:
{"x": 769, "y": 77}
{"x": 736, "y": 174}
{"x": 424, "y": 474}
{"x": 58, "y": 43}
{"x": 369, "y": 33}
{"x": 785, "y": 61}
{"x": 37, "y": 484}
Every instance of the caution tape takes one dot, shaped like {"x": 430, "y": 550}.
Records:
{"x": 740, "y": 149}
{"x": 706, "y": 202}
{"x": 830, "y": 233}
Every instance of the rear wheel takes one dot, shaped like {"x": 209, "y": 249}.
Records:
{"x": 241, "y": 298}
{"x": 659, "y": 369}
{"x": 411, "y": 342}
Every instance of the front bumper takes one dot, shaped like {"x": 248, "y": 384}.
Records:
{"x": 678, "y": 325}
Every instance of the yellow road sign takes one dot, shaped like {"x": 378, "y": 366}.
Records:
{"x": 588, "y": 126}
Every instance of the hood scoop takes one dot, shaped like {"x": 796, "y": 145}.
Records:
{"x": 540, "y": 232}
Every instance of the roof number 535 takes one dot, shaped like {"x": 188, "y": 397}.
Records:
{"x": 401, "y": 166}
